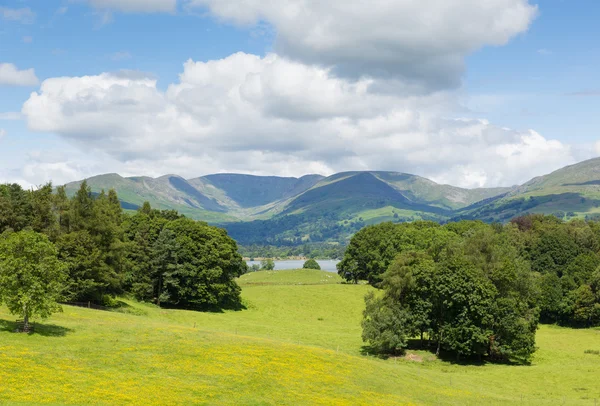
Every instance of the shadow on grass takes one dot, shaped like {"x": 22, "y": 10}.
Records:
{"x": 45, "y": 330}
{"x": 210, "y": 309}
{"x": 445, "y": 356}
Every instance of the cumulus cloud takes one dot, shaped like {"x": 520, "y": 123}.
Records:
{"x": 22, "y": 15}
{"x": 135, "y": 6}
{"x": 11, "y": 75}
{"x": 421, "y": 43}
{"x": 271, "y": 115}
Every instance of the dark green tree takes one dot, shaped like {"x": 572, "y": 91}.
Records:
{"x": 311, "y": 264}
{"x": 208, "y": 263}
{"x": 165, "y": 264}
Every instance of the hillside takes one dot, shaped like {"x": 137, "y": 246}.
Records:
{"x": 214, "y": 198}
{"x": 260, "y": 209}
{"x": 297, "y": 342}
{"x": 573, "y": 191}
{"x": 313, "y": 208}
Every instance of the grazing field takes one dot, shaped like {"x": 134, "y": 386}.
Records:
{"x": 298, "y": 342}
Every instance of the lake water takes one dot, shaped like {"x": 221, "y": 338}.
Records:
{"x": 328, "y": 265}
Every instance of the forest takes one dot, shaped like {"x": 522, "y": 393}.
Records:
{"x": 474, "y": 289}
{"x": 99, "y": 252}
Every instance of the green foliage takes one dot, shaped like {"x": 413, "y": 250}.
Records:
{"x": 372, "y": 249}
{"x": 267, "y": 264}
{"x": 201, "y": 267}
{"x": 463, "y": 285}
{"x": 32, "y": 278}
{"x": 311, "y": 264}
{"x": 386, "y": 325}
{"x": 155, "y": 255}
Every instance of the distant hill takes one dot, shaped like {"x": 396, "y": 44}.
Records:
{"x": 213, "y": 198}
{"x": 573, "y": 191}
{"x": 313, "y": 208}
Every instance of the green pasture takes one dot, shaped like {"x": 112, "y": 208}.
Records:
{"x": 297, "y": 342}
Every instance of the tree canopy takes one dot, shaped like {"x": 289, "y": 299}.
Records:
{"x": 476, "y": 289}
{"x": 157, "y": 256}
{"x": 311, "y": 264}
{"x": 32, "y": 279}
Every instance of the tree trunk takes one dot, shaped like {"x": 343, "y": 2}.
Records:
{"x": 437, "y": 352}
{"x": 159, "y": 291}
{"x": 422, "y": 339}
{"x": 25, "y": 320}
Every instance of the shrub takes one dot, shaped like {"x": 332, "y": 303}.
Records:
{"x": 311, "y": 264}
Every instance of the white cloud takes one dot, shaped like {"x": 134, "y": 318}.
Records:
{"x": 28, "y": 39}
{"x": 423, "y": 43}
{"x": 135, "y": 6}
{"x": 22, "y": 15}
{"x": 11, "y": 75}
{"x": 271, "y": 115}
{"x": 2, "y": 133}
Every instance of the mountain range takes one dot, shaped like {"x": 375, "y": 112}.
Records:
{"x": 286, "y": 210}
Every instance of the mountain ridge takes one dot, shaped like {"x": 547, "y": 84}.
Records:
{"x": 273, "y": 209}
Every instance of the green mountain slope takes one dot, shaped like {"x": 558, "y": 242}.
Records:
{"x": 573, "y": 191}
{"x": 213, "y": 198}
{"x": 338, "y": 206}
{"x": 252, "y": 191}
{"x": 277, "y": 210}
{"x": 166, "y": 192}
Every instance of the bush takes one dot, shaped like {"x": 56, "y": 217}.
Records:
{"x": 311, "y": 264}
{"x": 267, "y": 265}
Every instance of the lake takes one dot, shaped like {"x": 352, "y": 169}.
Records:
{"x": 328, "y": 265}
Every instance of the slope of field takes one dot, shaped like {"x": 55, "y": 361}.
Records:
{"x": 296, "y": 343}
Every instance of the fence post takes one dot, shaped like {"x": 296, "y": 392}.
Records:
{"x": 89, "y": 305}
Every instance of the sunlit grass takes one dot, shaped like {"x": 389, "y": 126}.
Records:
{"x": 294, "y": 344}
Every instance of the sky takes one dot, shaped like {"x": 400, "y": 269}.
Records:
{"x": 470, "y": 93}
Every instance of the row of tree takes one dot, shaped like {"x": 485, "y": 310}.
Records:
{"x": 475, "y": 289}
{"x": 157, "y": 256}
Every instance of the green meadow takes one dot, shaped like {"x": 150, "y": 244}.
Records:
{"x": 297, "y": 342}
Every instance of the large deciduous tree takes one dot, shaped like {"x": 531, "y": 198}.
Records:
{"x": 32, "y": 278}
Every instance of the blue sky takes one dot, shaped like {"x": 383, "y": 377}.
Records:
{"x": 513, "y": 96}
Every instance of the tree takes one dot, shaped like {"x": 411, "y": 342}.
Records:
{"x": 207, "y": 264}
{"x": 267, "y": 265}
{"x": 311, "y": 264}
{"x": 386, "y": 325}
{"x": 32, "y": 278}
{"x": 164, "y": 261}
{"x": 465, "y": 285}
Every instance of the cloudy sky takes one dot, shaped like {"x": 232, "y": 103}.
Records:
{"x": 467, "y": 92}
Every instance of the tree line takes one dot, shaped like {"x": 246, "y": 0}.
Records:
{"x": 99, "y": 252}
{"x": 474, "y": 289}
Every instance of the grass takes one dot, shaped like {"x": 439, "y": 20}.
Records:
{"x": 290, "y": 277}
{"x": 298, "y": 342}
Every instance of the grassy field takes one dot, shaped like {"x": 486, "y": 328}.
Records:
{"x": 298, "y": 342}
